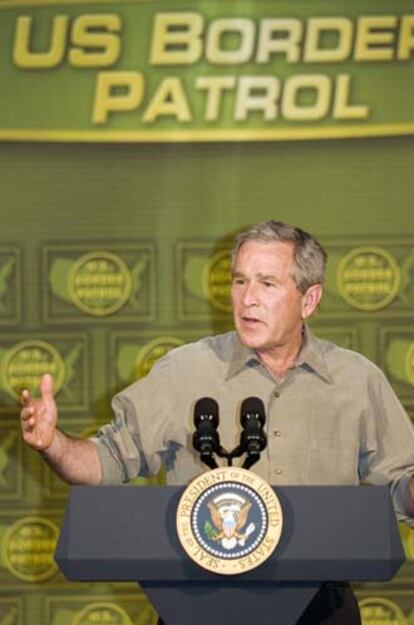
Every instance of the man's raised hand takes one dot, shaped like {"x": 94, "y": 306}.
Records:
{"x": 39, "y": 416}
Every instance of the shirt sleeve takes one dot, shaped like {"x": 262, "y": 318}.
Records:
{"x": 387, "y": 442}
{"x": 137, "y": 439}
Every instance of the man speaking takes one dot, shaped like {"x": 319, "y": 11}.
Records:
{"x": 332, "y": 417}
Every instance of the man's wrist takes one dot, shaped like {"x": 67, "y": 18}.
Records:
{"x": 54, "y": 449}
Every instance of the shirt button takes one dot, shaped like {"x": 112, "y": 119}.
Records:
{"x": 278, "y": 471}
{"x": 277, "y": 433}
{"x": 276, "y": 394}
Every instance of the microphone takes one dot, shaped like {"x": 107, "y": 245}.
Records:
{"x": 253, "y": 439}
{"x": 205, "y": 438}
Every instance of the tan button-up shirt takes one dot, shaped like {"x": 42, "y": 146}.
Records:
{"x": 333, "y": 419}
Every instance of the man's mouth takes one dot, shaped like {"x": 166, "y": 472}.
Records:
{"x": 250, "y": 320}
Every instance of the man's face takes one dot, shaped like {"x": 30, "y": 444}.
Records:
{"x": 268, "y": 308}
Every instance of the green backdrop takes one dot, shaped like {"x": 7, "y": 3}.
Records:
{"x": 115, "y": 249}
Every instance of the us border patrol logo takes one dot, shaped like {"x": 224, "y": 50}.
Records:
{"x": 217, "y": 281}
{"x": 25, "y": 364}
{"x": 27, "y": 548}
{"x": 100, "y": 283}
{"x": 379, "y": 610}
{"x": 229, "y": 520}
{"x": 369, "y": 278}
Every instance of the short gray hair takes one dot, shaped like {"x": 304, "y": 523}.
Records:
{"x": 309, "y": 257}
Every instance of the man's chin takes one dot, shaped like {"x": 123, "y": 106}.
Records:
{"x": 252, "y": 342}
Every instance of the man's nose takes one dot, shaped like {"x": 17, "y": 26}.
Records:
{"x": 250, "y": 296}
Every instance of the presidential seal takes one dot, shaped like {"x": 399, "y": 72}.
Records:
{"x": 229, "y": 520}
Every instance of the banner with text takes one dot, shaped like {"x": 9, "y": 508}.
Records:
{"x": 147, "y": 71}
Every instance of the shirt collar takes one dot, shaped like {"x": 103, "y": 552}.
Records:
{"x": 241, "y": 357}
{"x": 310, "y": 357}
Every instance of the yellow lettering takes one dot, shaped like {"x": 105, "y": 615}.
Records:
{"x": 169, "y": 99}
{"x": 317, "y": 27}
{"x": 318, "y": 84}
{"x": 215, "y": 86}
{"x": 342, "y": 109}
{"x": 243, "y": 28}
{"x": 176, "y": 39}
{"x": 257, "y": 93}
{"x": 97, "y": 41}
{"x": 24, "y": 57}
{"x": 107, "y": 100}
{"x": 406, "y": 42}
{"x": 372, "y": 39}
{"x": 279, "y": 36}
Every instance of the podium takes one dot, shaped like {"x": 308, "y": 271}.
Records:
{"x": 330, "y": 533}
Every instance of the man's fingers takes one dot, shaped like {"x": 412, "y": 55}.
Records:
{"x": 25, "y": 397}
{"x": 37, "y": 414}
{"x": 46, "y": 386}
{"x": 27, "y": 412}
{"x": 29, "y": 425}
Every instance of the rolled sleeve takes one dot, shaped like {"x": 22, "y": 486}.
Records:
{"x": 111, "y": 473}
{"x": 389, "y": 444}
{"x": 135, "y": 441}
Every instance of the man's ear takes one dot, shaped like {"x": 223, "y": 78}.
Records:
{"x": 311, "y": 299}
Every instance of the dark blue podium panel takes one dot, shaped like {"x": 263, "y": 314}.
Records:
{"x": 329, "y": 533}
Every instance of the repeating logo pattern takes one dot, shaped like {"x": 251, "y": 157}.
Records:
{"x": 102, "y": 612}
{"x": 100, "y": 283}
{"x": 376, "y": 610}
{"x": 11, "y": 470}
{"x": 23, "y": 362}
{"x": 362, "y": 277}
{"x": 116, "y": 282}
{"x": 10, "y": 285}
{"x": 115, "y": 608}
{"x": 204, "y": 279}
{"x": 140, "y": 360}
{"x": 369, "y": 278}
{"x": 397, "y": 359}
{"x": 28, "y": 547}
{"x": 217, "y": 281}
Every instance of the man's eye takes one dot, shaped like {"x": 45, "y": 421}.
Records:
{"x": 268, "y": 283}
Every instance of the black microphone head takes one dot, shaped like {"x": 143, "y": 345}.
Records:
{"x": 252, "y": 408}
{"x": 206, "y": 409}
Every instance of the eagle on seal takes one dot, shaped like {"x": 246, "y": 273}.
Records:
{"x": 229, "y": 519}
